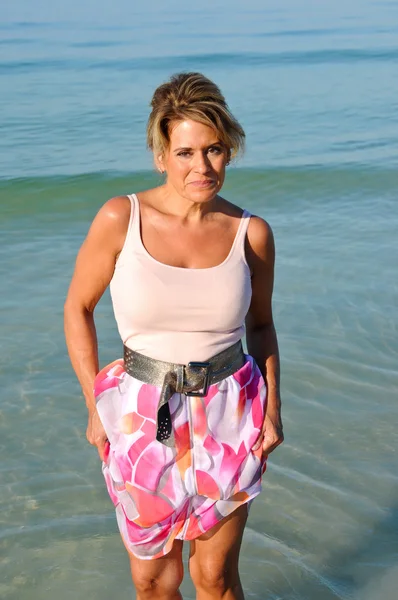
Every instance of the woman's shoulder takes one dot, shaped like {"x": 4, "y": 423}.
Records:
{"x": 259, "y": 230}
{"x": 260, "y": 239}
{"x": 116, "y": 209}
{"x": 114, "y": 214}
{"x": 111, "y": 222}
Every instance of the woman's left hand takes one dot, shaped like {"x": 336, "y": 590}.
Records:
{"x": 271, "y": 434}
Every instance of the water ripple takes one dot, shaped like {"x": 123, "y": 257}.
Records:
{"x": 200, "y": 61}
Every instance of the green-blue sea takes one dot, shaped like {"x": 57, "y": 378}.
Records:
{"x": 315, "y": 85}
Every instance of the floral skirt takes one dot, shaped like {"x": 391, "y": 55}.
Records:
{"x": 162, "y": 493}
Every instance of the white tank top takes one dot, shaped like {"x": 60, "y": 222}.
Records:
{"x": 176, "y": 314}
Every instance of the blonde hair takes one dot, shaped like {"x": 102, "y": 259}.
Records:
{"x": 192, "y": 96}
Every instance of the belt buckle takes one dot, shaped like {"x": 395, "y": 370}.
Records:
{"x": 206, "y": 378}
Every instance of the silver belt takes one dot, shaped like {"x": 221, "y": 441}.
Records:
{"x": 192, "y": 379}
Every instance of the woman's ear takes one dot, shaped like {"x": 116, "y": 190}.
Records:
{"x": 159, "y": 163}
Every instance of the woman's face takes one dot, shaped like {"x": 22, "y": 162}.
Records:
{"x": 195, "y": 161}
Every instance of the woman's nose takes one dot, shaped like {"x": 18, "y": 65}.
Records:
{"x": 201, "y": 163}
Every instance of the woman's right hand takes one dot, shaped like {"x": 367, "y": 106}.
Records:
{"x": 96, "y": 434}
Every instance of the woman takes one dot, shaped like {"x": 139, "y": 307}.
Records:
{"x": 185, "y": 422}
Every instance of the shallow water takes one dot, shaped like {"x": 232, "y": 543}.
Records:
{"x": 316, "y": 91}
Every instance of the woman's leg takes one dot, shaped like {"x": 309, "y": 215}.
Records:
{"x": 214, "y": 558}
{"x": 159, "y": 579}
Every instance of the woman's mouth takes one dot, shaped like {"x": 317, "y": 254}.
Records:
{"x": 202, "y": 183}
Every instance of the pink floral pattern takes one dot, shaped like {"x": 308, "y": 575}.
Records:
{"x": 161, "y": 493}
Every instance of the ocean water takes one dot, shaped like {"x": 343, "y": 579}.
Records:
{"x": 316, "y": 88}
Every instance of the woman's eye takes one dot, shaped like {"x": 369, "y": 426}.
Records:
{"x": 184, "y": 153}
{"x": 215, "y": 150}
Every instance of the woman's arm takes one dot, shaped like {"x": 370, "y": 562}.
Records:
{"x": 261, "y": 337}
{"x": 93, "y": 271}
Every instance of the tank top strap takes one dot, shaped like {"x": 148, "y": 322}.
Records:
{"x": 239, "y": 242}
{"x": 134, "y": 230}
